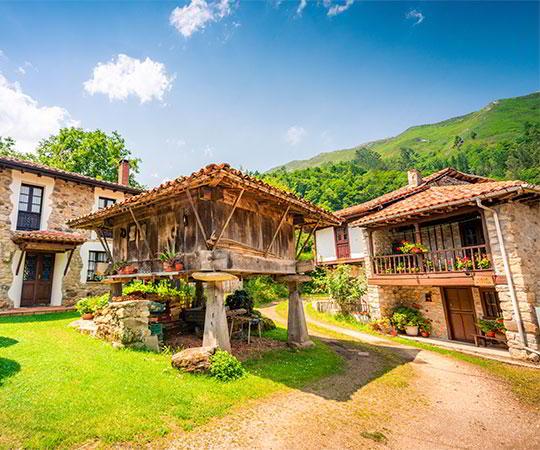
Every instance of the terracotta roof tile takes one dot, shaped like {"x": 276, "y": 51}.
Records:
{"x": 440, "y": 196}
{"x": 201, "y": 178}
{"x": 47, "y": 236}
{"x": 64, "y": 174}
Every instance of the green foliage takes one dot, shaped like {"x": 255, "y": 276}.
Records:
{"x": 496, "y": 325}
{"x": 263, "y": 290}
{"x": 7, "y": 148}
{"x": 90, "y": 305}
{"x": 164, "y": 289}
{"x": 92, "y": 153}
{"x": 405, "y": 316}
{"x": 240, "y": 299}
{"x": 343, "y": 286}
{"x": 225, "y": 367}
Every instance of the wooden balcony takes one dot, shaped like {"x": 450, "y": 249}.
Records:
{"x": 453, "y": 260}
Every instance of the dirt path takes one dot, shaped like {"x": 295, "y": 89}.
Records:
{"x": 397, "y": 397}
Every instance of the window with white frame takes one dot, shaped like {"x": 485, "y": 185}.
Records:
{"x": 30, "y": 202}
{"x": 94, "y": 257}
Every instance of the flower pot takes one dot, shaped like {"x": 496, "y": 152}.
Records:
{"x": 393, "y": 332}
{"x": 424, "y": 334}
{"x": 178, "y": 266}
{"x": 168, "y": 267}
{"x": 490, "y": 334}
{"x": 128, "y": 270}
{"x": 411, "y": 330}
{"x": 87, "y": 316}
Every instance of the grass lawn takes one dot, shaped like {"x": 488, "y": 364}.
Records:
{"x": 61, "y": 388}
{"x": 523, "y": 381}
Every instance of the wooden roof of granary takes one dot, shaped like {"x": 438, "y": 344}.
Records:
{"x": 440, "y": 199}
{"x": 213, "y": 174}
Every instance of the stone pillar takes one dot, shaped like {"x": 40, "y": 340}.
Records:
{"x": 116, "y": 290}
{"x": 216, "y": 332}
{"x": 199, "y": 294}
{"x": 296, "y": 324}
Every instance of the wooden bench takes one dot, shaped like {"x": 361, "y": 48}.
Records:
{"x": 480, "y": 338}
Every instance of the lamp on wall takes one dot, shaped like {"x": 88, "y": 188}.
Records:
{"x": 427, "y": 297}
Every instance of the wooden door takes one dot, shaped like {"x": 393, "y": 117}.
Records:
{"x": 343, "y": 250}
{"x": 460, "y": 312}
{"x": 37, "y": 279}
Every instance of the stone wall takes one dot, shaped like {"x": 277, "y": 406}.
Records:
{"x": 125, "y": 324}
{"x": 520, "y": 224}
{"x": 7, "y": 247}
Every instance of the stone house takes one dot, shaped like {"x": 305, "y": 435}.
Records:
{"x": 480, "y": 242}
{"x": 42, "y": 261}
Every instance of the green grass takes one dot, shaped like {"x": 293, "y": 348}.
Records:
{"x": 524, "y": 382}
{"x": 60, "y": 389}
{"x": 495, "y": 122}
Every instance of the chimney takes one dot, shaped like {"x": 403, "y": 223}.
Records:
{"x": 123, "y": 172}
{"x": 415, "y": 178}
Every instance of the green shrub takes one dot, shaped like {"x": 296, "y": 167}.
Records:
{"x": 263, "y": 289}
{"x": 345, "y": 288}
{"x": 183, "y": 291}
{"x": 405, "y": 316}
{"x": 91, "y": 305}
{"x": 240, "y": 299}
{"x": 225, "y": 367}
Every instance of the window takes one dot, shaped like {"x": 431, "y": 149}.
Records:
{"x": 472, "y": 233}
{"x": 342, "y": 242}
{"x": 94, "y": 257}
{"x": 104, "y": 202}
{"x": 30, "y": 200}
{"x": 490, "y": 304}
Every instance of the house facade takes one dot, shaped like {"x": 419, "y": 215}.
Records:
{"x": 471, "y": 252}
{"x": 42, "y": 261}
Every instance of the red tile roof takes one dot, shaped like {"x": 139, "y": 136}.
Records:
{"x": 433, "y": 197}
{"x": 203, "y": 177}
{"x": 33, "y": 167}
{"x": 405, "y": 191}
{"x": 47, "y": 236}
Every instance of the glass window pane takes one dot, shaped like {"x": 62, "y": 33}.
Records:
{"x": 37, "y": 192}
{"x": 25, "y": 189}
{"x": 35, "y": 208}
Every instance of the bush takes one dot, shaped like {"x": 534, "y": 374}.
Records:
{"x": 225, "y": 367}
{"x": 264, "y": 289}
{"x": 91, "y": 305}
{"x": 182, "y": 292}
{"x": 344, "y": 287}
{"x": 381, "y": 325}
{"x": 240, "y": 299}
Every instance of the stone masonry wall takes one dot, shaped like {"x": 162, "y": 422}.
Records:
{"x": 7, "y": 247}
{"x": 520, "y": 224}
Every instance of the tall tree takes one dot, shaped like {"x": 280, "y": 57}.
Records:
{"x": 92, "y": 153}
{"x": 7, "y": 148}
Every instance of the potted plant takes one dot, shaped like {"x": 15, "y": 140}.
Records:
{"x": 490, "y": 326}
{"x": 171, "y": 261}
{"x": 412, "y": 326}
{"x": 85, "y": 308}
{"x": 425, "y": 327}
{"x": 407, "y": 319}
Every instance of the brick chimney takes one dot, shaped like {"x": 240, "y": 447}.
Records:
{"x": 123, "y": 172}
{"x": 415, "y": 177}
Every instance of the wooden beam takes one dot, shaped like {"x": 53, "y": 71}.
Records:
{"x": 298, "y": 238}
{"x": 68, "y": 261}
{"x": 199, "y": 222}
{"x": 23, "y": 251}
{"x": 281, "y": 221}
{"x": 104, "y": 244}
{"x": 229, "y": 217}
{"x": 141, "y": 233}
{"x": 299, "y": 252}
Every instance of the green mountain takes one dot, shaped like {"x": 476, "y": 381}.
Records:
{"x": 501, "y": 120}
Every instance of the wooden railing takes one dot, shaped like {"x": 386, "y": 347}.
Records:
{"x": 464, "y": 259}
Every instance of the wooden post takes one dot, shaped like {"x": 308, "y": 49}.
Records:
{"x": 199, "y": 294}
{"x": 296, "y": 322}
{"x": 215, "y": 323}
{"x": 116, "y": 290}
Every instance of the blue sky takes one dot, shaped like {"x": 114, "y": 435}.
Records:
{"x": 256, "y": 84}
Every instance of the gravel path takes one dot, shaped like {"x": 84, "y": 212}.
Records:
{"x": 424, "y": 400}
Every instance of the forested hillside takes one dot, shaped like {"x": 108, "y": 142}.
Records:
{"x": 501, "y": 120}
{"x": 369, "y": 174}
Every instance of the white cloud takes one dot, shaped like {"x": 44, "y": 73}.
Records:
{"x": 301, "y": 6}
{"x": 295, "y": 135}
{"x": 334, "y": 10}
{"x": 415, "y": 15}
{"x": 197, "y": 14}
{"x": 24, "y": 120}
{"x": 127, "y": 76}
{"x": 176, "y": 142}
{"x": 208, "y": 152}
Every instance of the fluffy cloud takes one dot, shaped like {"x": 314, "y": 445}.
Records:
{"x": 334, "y": 10}
{"x": 127, "y": 76}
{"x": 415, "y": 15}
{"x": 197, "y": 14}
{"x": 295, "y": 134}
{"x": 24, "y": 120}
{"x": 301, "y": 6}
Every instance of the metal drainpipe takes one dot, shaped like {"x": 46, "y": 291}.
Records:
{"x": 508, "y": 274}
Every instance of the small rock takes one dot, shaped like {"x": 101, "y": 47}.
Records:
{"x": 196, "y": 359}
{"x": 363, "y": 354}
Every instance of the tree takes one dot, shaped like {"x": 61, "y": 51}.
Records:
{"x": 7, "y": 148}
{"x": 408, "y": 158}
{"x": 368, "y": 159}
{"x": 458, "y": 142}
{"x": 346, "y": 288}
{"x": 92, "y": 153}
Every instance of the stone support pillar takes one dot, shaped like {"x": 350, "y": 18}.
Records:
{"x": 216, "y": 333}
{"x": 296, "y": 326}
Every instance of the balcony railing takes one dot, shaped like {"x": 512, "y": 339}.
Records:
{"x": 464, "y": 259}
